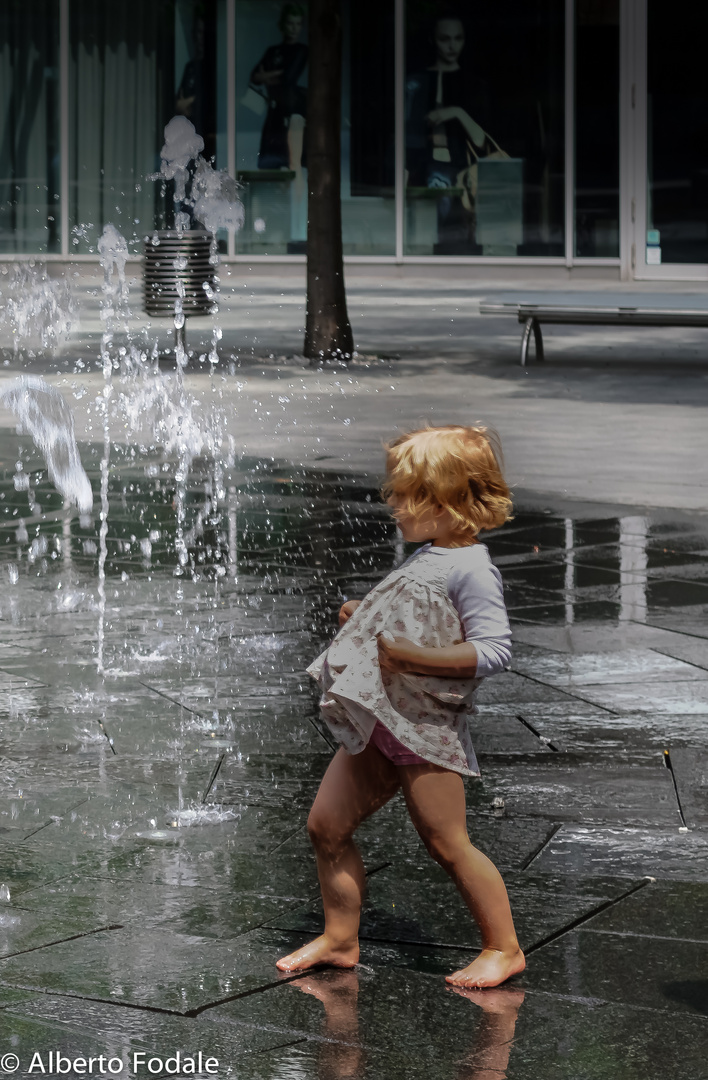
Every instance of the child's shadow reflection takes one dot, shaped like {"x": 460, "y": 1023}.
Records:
{"x": 342, "y": 1056}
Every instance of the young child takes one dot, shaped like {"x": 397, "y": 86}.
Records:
{"x": 398, "y": 685}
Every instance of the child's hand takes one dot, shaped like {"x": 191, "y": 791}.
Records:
{"x": 347, "y": 610}
{"x": 396, "y": 654}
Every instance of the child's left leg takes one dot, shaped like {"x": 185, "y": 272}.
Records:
{"x": 435, "y": 798}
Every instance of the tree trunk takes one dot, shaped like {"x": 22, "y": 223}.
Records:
{"x": 328, "y": 334}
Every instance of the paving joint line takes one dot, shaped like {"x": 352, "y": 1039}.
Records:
{"x": 199, "y": 1009}
{"x": 212, "y": 778}
{"x": 588, "y": 916}
{"x": 288, "y": 837}
{"x": 534, "y": 731}
{"x": 62, "y": 941}
{"x": 39, "y": 829}
{"x": 542, "y": 846}
{"x": 54, "y": 820}
{"x": 321, "y": 734}
{"x": 106, "y": 736}
{"x": 87, "y": 997}
{"x": 691, "y": 663}
{"x": 575, "y": 697}
{"x": 32, "y": 683}
{"x": 173, "y": 701}
{"x": 287, "y": 1045}
{"x": 668, "y": 764}
{"x": 668, "y": 629}
{"x": 44, "y": 884}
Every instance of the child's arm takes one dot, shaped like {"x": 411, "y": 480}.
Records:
{"x": 347, "y": 610}
{"x": 477, "y": 595}
{"x": 400, "y": 654}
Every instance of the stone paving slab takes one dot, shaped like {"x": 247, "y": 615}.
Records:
{"x": 419, "y": 905}
{"x": 156, "y": 881}
{"x": 665, "y": 853}
{"x": 191, "y": 910}
{"x": 670, "y": 697}
{"x": 21, "y": 818}
{"x": 422, "y": 1025}
{"x": 427, "y": 1030}
{"x": 693, "y": 620}
{"x": 493, "y": 732}
{"x": 25, "y": 867}
{"x": 577, "y": 638}
{"x": 629, "y": 666}
{"x": 22, "y": 931}
{"x": 596, "y": 965}
{"x": 80, "y": 1028}
{"x": 635, "y": 789}
{"x": 154, "y": 968}
{"x": 580, "y": 728}
{"x": 669, "y": 909}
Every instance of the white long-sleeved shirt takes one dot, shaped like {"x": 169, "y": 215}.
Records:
{"x": 475, "y": 588}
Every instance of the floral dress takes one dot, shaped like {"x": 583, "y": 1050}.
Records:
{"x": 438, "y": 597}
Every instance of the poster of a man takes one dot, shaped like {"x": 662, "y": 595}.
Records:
{"x": 447, "y": 115}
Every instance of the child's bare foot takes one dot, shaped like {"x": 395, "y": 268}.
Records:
{"x": 320, "y": 951}
{"x": 491, "y": 968}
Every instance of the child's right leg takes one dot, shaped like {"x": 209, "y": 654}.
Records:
{"x": 435, "y": 798}
{"x": 354, "y": 786}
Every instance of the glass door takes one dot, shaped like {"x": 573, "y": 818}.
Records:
{"x": 667, "y": 91}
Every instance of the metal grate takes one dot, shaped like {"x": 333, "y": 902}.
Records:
{"x": 178, "y": 267}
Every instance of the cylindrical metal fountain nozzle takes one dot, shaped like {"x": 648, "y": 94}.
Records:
{"x": 178, "y": 267}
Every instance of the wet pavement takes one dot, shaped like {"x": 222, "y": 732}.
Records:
{"x": 153, "y": 853}
{"x": 612, "y": 416}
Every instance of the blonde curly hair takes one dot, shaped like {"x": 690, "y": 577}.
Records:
{"x": 454, "y": 467}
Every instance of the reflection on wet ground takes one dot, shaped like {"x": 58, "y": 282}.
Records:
{"x": 153, "y": 854}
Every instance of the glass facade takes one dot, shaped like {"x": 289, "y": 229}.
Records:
{"x": 29, "y": 126}
{"x": 476, "y": 132}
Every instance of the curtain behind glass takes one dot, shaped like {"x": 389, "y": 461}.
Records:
{"x": 122, "y": 60}
{"x": 29, "y": 126}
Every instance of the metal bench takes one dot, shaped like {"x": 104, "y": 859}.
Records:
{"x": 532, "y": 315}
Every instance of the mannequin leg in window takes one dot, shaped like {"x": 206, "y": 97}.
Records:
{"x": 298, "y": 190}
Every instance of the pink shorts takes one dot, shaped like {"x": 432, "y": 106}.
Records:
{"x": 392, "y": 749}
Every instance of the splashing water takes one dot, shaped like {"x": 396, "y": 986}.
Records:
{"x": 182, "y": 145}
{"x": 43, "y": 413}
{"x": 113, "y": 251}
{"x": 201, "y": 815}
{"x": 213, "y": 197}
{"x": 216, "y": 204}
{"x": 40, "y": 312}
